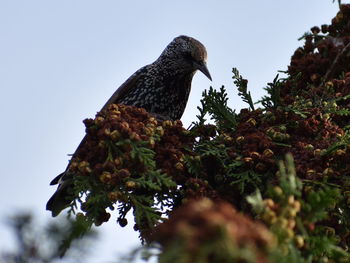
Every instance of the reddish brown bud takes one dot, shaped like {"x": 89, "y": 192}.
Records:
{"x": 105, "y": 177}
{"x": 124, "y": 173}
{"x": 130, "y": 184}
{"x": 268, "y": 153}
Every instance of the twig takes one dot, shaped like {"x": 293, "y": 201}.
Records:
{"x": 339, "y": 2}
{"x": 335, "y": 62}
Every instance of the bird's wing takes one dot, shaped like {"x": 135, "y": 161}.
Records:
{"x": 57, "y": 179}
{"x": 125, "y": 88}
{"x": 118, "y": 95}
{"x": 58, "y": 201}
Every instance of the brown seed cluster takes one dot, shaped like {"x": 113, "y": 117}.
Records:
{"x": 101, "y": 157}
{"x": 280, "y": 213}
{"x": 261, "y": 137}
{"x": 319, "y": 76}
{"x": 196, "y": 188}
{"x": 107, "y": 157}
{"x": 171, "y": 149}
{"x": 201, "y": 222}
{"x": 323, "y": 57}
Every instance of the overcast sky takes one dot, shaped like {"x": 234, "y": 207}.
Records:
{"x": 61, "y": 60}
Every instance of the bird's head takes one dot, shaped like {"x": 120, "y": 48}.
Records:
{"x": 188, "y": 53}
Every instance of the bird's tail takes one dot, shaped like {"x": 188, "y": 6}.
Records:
{"x": 61, "y": 199}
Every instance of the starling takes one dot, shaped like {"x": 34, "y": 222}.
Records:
{"x": 162, "y": 88}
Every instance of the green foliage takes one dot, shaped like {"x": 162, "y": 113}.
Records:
{"x": 291, "y": 209}
{"x": 76, "y": 230}
{"x": 318, "y": 201}
{"x": 214, "y": 103}
{"x": 341, "y": 144}
{"x": 245, "y": 181}
{"x": 217, "y": 162}
{"x": 37, "y": 243}
{"x": 146, "y": 206}
{"x": 289, "y": 183}
{"x": 242, "y": 85}
{"x": 273, "y": 99}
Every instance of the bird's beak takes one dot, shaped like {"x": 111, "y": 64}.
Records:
{"x": 203, "y": 68}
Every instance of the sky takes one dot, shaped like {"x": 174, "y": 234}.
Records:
{"x": 60, "y": 61}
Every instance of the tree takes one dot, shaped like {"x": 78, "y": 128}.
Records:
{"x": 264, "y": 185}
{"x": 47, "y": 243}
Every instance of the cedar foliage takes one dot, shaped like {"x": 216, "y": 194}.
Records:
{"x": 268, "y": 184}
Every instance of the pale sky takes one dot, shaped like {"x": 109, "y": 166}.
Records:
{"x": 61, "y": 60}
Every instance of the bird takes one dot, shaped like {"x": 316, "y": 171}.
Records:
{"x": 162, "y": 88}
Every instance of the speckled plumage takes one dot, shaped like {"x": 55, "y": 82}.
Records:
{"x": 162, "y": 88}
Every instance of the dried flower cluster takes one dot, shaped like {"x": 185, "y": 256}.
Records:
{"x": 130, "y": 157}
{"x": 324, "y": 57}
{"x": 201, "y": 227}
{"x": 281, "y": 216}
{"x": 261, "y": 137}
